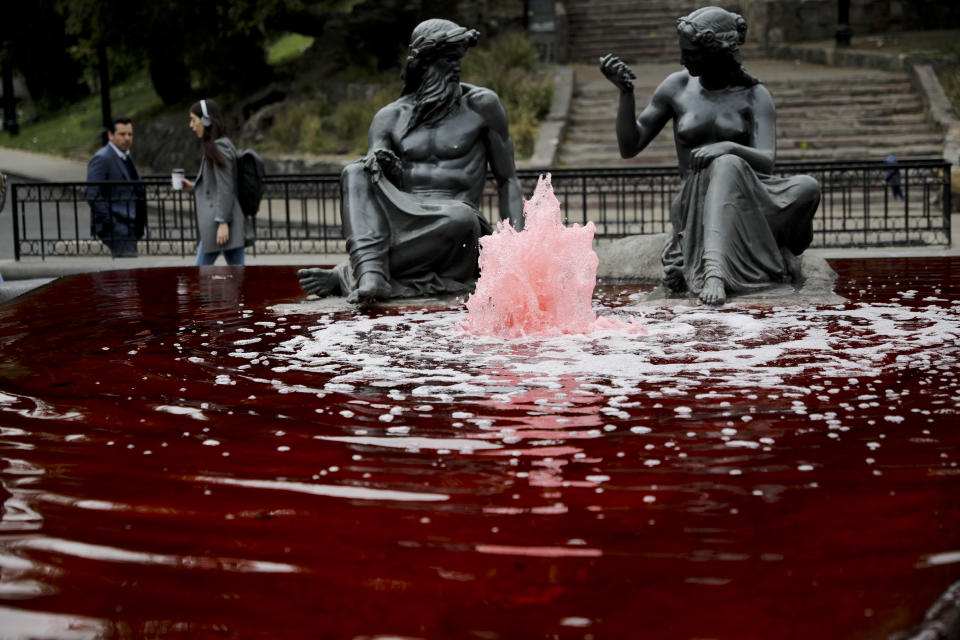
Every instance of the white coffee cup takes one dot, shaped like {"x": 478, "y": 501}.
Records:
{"x": 176, "y": 177}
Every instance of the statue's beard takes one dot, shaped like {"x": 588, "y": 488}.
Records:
{"x": 437, "y": 97}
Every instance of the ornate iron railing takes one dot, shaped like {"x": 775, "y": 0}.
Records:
{"x": 300, "y": 214}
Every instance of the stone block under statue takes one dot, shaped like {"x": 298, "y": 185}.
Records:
{"x": 638, "y": 259}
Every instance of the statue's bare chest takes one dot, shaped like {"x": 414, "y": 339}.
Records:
{"x": 710, "y": 116}
{"x": 453, "y": 137}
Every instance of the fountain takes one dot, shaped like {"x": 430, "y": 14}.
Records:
{"x": 194, "y": 453}
{"x": 539, "y": 281}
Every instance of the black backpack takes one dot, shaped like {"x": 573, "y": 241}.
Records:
{"x": 250, "y": 175}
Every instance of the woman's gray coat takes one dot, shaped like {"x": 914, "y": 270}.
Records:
{"x": 216, "y": 194}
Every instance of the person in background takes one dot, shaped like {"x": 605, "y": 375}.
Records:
{"x": 219, "y": 216}
{"x": 118, "y": 212}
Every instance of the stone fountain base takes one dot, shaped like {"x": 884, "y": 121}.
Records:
{"x": 637, "y": 258}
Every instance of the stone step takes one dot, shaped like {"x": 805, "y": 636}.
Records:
{"x": 787, "y": 109}
{"x": 888, "y": 141}
{"x": 920, "y": 134}
{"x": 604, "y": 118}
{"x": 610, "y": 158}
{"x": 826, "y": 119}
{"x": 677, "y": 8}
{"x": 823, "y": 113}
{"x": 891, "y": 143}
{"x": 789, "y": 112}
{"x": 898, "y": 81}
{"x": 600, "y": 95}
{"x": 656, "y": 23}
{"x": 633, "y": 29}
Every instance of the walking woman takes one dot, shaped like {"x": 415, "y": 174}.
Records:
{"x": 219, "y": 216}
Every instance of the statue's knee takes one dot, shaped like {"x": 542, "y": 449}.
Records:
{"x": 351, "y": 173}
{"x": 729, "y": 162}
{"x": 463, "y": 220}
{"x": 808, "y": 190}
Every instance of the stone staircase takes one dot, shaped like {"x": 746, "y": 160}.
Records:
{"x": 823, "y": 114}
{"x": 636, "y": 30}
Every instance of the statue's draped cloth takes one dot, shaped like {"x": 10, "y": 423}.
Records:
{"x": 422, "y": 246}
{"x": 730, "y": 222}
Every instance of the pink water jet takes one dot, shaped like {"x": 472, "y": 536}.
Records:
{"x": 539, "y": 281}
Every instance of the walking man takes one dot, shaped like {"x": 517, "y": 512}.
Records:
{"x": 118, "y": 213}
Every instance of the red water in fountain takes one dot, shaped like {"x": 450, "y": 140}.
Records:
{"x": 539, "y": 281}
{"x": 194, "y": 454}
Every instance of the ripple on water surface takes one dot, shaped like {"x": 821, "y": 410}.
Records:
{"x": 192, "y": 453}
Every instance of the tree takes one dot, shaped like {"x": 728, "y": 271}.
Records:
{"x": 37, "y": 45}
{"x": 219, "y": 44}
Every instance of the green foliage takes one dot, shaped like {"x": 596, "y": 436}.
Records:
{"x": 510, "y": 67}
{"x": 34, "y": 42}
{"x": 219, "y": 45}
{"x": 287, "y": 47}
{"x": 318, "y": 127}
{"x": 316, "y": 124}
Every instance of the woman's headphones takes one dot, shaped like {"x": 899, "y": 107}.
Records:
{"x": 205, "y": 118}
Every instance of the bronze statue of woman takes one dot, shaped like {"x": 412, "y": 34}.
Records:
{"x": 736, "y": 228}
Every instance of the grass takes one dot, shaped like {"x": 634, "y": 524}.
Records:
{"x": 74, "y": 131}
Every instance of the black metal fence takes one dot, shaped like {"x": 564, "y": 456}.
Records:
{"x": 300, "y": 214}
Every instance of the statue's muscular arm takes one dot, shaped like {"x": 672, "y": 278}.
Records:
{"x": 634, "y": 134}
{"x": 380, "y": 142}
{"x": 499, "y": 146}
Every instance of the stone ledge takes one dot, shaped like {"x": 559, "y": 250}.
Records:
{"x": 10, "y": 289}
{"x": 554, "y": 126}
{"x": 942, "y": 621}
{"x": 832, "y": 56}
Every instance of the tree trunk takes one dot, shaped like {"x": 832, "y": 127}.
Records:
{"x": 168, "y": 71}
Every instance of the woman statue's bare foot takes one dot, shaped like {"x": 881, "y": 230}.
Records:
{"x": 319, "y": 282}
{"x": 793, "y": 263}
{"x": 713, "y": 292}
{"x": 372, "y": 286}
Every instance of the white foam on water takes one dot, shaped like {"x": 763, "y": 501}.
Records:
{"x": 193, "y": 412}
{"x": 427, "y": 351}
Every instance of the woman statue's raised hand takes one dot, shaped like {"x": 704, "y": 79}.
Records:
{"x": 618, "y": 72}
